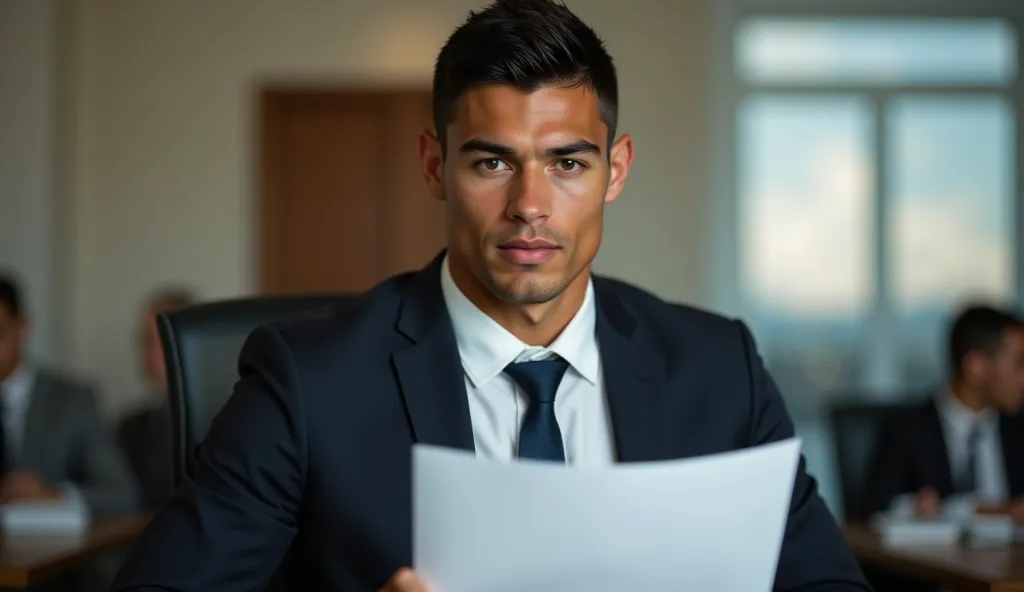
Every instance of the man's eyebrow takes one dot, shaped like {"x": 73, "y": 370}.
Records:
{"x": 578, "y": 147}
{"x": 477, "y": 145}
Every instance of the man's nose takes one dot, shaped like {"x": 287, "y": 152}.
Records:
{"x": 530, "y": 199}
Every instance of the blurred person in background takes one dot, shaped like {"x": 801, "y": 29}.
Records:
{"x": 966, "y": 444}
{"x": 145, "y": 435}
{"x": 54, "y": 443}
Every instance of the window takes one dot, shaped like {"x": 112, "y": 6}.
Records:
{"x": 874, "y": 165}
{"x": 950, "y": 225}
{"x": 864, "y": 51}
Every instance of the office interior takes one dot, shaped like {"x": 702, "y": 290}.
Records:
{"x": 840, "y": 175}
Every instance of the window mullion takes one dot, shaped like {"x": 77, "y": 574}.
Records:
{"x": 882, "y": 355}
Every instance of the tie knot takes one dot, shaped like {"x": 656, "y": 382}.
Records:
{"x": 540, "y": 379}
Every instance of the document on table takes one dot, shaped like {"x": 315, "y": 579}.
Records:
{"x": 61, "y": 517}
{"x": 706, "y": 523}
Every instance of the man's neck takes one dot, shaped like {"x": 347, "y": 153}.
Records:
{"x": 969, "y": 398}
{"x": 533, "y": 324}
{"x": 14, "y": 371}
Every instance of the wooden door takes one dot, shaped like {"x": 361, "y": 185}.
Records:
{"x": 343, "y": 203}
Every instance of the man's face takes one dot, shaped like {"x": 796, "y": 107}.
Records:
{"x": 525, "y": 180}
{"x": 13, "y": 334}
{"x": 1003, "y": 373}
{"x": 151, "y": 352}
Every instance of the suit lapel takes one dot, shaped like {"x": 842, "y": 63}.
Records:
{"x": 634, "y": 381}
{"x": 34, "y": 431}
{"x": 1009, "y": 439}
{"x": 933, "y": 433}
{"x": 430, "y": 371}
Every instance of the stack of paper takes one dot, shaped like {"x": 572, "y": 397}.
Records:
{"x": 898, "y": 530}
{"x": 960, "y": 520}
{"x": 710, "y": 523}
{"x": 49, "y": 517}
{"x": 990, "y": 530}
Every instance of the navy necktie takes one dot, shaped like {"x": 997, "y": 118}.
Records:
{"x": 540, "y": 438}
{"x": 967, "y": 482}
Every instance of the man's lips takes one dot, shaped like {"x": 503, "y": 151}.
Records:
{"x": 528, "y": 251}
{"x": 534, "y": 243}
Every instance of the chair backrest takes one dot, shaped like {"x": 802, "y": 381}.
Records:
{"x": 856, "y": 426}
{"x": 201, "y": 345}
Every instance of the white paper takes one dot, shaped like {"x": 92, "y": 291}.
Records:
{"x": 898, "y": 531}
{"x": 63, "y": 517}
{"x": 708, "y": 523}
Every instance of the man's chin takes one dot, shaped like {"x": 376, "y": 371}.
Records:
{"x": 521, "y": 287}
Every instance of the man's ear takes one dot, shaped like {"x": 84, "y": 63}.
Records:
{"x": 975, "y": 364}
{"x": 432, "y": 163}
{"x": 23, "y": 325}
{"x": 620, "y": 160}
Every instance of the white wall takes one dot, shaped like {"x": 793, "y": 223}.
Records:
{"x": 163, "y": 169}
{"x": 28, "y": 166}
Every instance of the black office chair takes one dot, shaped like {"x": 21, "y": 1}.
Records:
{"x": 856, "y": 425}
{"x": 201, "y": 346}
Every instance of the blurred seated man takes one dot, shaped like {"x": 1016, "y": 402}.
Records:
{"x": 145, "y": 435}
{"x": 968, "y": 442}
{"x": 53, "y": 442}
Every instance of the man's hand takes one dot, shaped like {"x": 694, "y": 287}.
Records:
{"x": 928, "y": 504}
{"x": 26, "y": 485}
{"x": 404, "y": 580}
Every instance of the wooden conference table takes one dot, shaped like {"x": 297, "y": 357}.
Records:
{"x": 29, "y": 559}
{"x": 984, "y": 569}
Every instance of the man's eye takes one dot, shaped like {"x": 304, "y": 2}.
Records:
{"x": 568, "y": 165}
{"x": 492, "y": 165}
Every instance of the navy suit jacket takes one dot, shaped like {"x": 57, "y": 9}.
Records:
{"x": 306, "y": 470}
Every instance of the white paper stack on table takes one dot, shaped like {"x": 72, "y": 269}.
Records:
{"x": 708, "y": 523}
{"x": 59, "y": 517}
{"x": 959, "y": 521}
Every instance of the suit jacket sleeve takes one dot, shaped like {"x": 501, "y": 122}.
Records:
{"x": 814, "y": 555}
{"x": 234, "y": 518}
{"x": 101, "y": 474}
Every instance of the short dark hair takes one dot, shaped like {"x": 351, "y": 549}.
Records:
{"x": 10, "y": 294}
{"x": 528, "y": 44}
{"x": 979, "y": 328}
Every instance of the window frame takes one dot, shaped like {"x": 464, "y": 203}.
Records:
{"x": 882, "y": 361}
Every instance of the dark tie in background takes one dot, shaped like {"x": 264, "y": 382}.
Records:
{"x": 968, "y": 478}
{"x": 540, "y": 437}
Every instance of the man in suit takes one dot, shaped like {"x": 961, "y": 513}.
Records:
{"x": 967, "y": 441}
{"x": 505, "y": 344}
{"x": 53, "y": 441}
{"x": 145, "y": 435}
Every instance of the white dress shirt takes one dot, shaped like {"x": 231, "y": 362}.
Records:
{"x": 497, "y": 406}
{"x": 957, "y": 423}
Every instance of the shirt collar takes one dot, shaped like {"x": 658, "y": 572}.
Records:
{"x": 485, "y": 347}
{"x": 18, "y": 386}
{"x": 962, "y": 417}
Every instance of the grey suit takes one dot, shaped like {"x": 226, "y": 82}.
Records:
{"x": 65, "y": 439}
